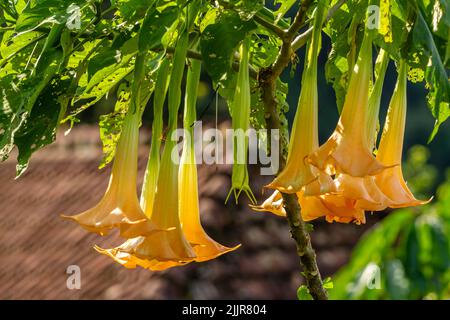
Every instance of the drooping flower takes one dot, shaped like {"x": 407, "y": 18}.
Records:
{"x": 158, "y": 251}
{"x": 298, "y": 173}
{"x": 339, "y": 209}
{"x": 166, "y": 249}
{"x": 347, "y": 150}
{"x": 273, "y": 204}
{"x": 205, "y": 248}
{"x": 240, "y": 109}
{"x": 120, "y": 203}
{"x": 363, "y": 190}
{"x": 391, "y": 180}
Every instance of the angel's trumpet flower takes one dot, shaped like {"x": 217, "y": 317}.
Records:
{"x": 363, "y": 190}
{"x": 391, "y": 181}
{"x": 340, "y": 209}
{"x": 158, "y": 251}
{"x": 347, "y": 150}
{"x": 120, "y": 203}
{"x": 240, "y": 109}
{"x": 298, "y": 173}
{"x": 165, "y": 249}
{"x": 273, "y": 204}
{"x": 205, "y": 248}
{"x": 313, "y": 207}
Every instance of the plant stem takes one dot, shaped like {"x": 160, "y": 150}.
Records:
{"x": 269, "y": 26}
{"x": 304, "y": 248}
{"x": 267, "y": 80}
{"x": 301, "y": 40}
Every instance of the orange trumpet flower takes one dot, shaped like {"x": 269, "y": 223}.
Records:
{"x": 363, "y": 190}
{"x": 159, "y": 251}
{"x": 391, "y": 180}
{"x": 298, "y": 174}
{"x": 205, "y": 248}
{"x": 339, "y": 209}
{"x": 347, "y": 150}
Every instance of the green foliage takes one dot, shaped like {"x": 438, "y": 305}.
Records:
{"x": 71, "y": 54}
{"x": 303, "y": 293}
{"x": 38, "y": 13}
{"x": 104, "y": 77}
{"x": 435, "y": 73}
{"x": 247, "y": 8}
{"x": 219, "y": 41}
{"x": 421, "y": 175}
{"x": 407, "y": 254}
{"x": 111, "y": 125}
{"x": 132, "y": 10}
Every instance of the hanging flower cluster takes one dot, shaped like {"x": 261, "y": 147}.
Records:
{"x": 345, "y": 176}
{"x": 164, "y": 229}
{"x": 339, "y": 180}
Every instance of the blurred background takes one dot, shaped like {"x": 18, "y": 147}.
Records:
{"x": 401, "y": 254}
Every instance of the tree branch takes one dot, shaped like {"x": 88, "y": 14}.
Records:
{"x": 267, "y": 81}
{"x": 301, "y": 40}
{"x": 269, "y": 26}
{"x": 304, "y": 248}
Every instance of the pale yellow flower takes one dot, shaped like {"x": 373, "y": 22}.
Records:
{"x": 120, "y": 203}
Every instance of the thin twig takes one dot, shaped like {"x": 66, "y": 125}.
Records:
{"x": 269, "y": 26}
{"x": 301, "y": 39}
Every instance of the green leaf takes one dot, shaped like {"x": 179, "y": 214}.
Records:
{"x": 19, "y": 95}
{"x": 371, "y": 249}
{"x": 219, "y": 42}
{"x": 392, "y": 36}
{"x": 303, "y": 293}
{"x": 284, "y": 7}
{"x": 339, "y": 59}
{"x": 328, "y": 283}
{"x": 155, "y": 26}
{"x": 397, "y": 285}
{"x": 264, "y": 48}
{"x": 39, "y": 128}
{"x": 247, "y": 8}
{"x": 111, "y": 125}
{"x": 436, "y": 75}
{"x": 107, "y": 75}
{"x": 132, "y": 10}
{"x": 41, "y": 12}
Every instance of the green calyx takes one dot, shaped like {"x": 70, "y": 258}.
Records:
{"x": 240, "y": 109}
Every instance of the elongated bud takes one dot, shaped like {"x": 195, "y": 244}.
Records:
{"x": 240, "y": 109}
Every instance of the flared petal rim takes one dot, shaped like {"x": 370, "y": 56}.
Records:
{"x": 273, "y": 204}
